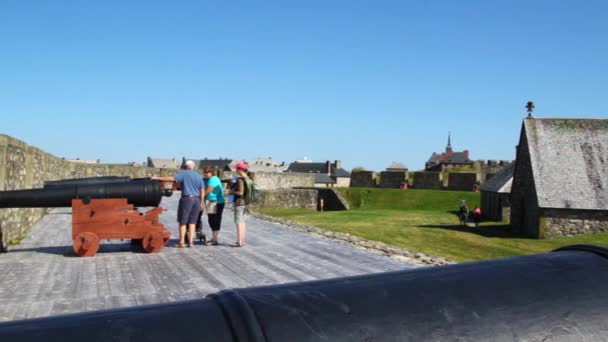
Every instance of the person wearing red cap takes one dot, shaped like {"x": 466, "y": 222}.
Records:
{"x": 240, "y": 204}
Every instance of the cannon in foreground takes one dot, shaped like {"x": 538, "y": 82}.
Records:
{"x": 559, "y": 296}
{"x": 101, "y": 209}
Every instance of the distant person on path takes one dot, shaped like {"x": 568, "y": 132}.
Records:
{"x": 477, "y": 216}
{"x": 214, "y": 202}
{"x": 463, "y": 212}
{"x": 239, "y": 191}
{"x": 190, "y": 204}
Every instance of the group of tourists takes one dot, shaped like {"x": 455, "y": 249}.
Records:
{"x": 207, "y": 194}
{"x": 469, "y": 216}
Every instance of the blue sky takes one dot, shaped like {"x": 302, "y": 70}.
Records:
{"x": 366, "y": 82}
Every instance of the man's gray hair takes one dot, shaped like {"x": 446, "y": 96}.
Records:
{"x": 190, "y": 163}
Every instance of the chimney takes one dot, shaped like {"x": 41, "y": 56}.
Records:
{"x": 466, "y": 153}
{"x": 328, "y": 167}
{"x": 338, "y": 164}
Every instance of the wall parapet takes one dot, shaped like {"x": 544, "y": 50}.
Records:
{"x": 25, "y": 167}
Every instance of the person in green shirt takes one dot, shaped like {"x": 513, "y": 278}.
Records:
{"x": 214, "y": 201}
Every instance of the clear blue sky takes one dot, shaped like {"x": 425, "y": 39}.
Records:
{"x": 366, "y": 82}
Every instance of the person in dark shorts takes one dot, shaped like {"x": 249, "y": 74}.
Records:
{"x": 463, "y": 212}
{"x": 239, "y": 190}
{"x": 214, "y": 201}
{"x": 190, "y": 204}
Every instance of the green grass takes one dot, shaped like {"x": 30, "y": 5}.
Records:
{"x": 426, "y": 221}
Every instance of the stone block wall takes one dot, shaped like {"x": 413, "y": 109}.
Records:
{"x": 287, "y": 180}
{"x": 288, "y": 199}
{"x": 430, "y": 180}
{"x": 342, "y": 182}
{"x": 27, "y": 167}
{"x": 362, "y": 179}
{"x": 392, "y": 179}
{"x": 462, "y": 181}
{"x": 570, "y": 222}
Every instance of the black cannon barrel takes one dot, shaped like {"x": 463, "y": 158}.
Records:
{"x": 87, "y": 180}
{"x": 143, "y": 193}
{"x": 560, "y": 296}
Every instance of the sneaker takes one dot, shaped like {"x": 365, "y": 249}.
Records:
{"x": 213, "y": 243}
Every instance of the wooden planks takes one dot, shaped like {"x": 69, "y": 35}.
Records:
{"x": 41, "y": 277}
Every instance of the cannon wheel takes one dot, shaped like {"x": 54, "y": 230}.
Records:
{"x": 86, "y": 244}
{"x": 153, "y": 242}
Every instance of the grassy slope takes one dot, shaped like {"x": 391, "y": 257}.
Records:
{"x": 425, "y": 221}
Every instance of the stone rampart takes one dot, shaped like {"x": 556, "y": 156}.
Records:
{"x": 461, "y": 181}
{"x": 392, "y": 179}
{"x": 27, "y": 167}
{"x": 430, "y": 180}
{"x": 288, "y": 199}
{"x": 362, "y": 179}
{"x": 286, "y": 180}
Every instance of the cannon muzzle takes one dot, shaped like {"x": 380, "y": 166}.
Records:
{"x": 559, "y": 296}
{"x": 140, "y": 193}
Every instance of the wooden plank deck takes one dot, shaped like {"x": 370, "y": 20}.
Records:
{"x": 41, "y": 277}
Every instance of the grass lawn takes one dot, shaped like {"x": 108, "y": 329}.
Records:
{"x": 426, "y": 221}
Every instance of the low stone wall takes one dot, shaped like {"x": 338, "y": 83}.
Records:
{"x": 462, "y": 181}
{"x": 392, "y": 179}
{"x": 397, "y": 253}
{"x": 362, "y": 179}
{"x": 288, "y": 199}
{"x": 430, "y": 180}
{"x": 285, "y": 180}
{"x": 27, "y": 167}
{"x": 570, "y": 222}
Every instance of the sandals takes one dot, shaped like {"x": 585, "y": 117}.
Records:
{"x": 236, "y": 244}
{"x": 179, "y": 245}
{"x": 212, "y": 243}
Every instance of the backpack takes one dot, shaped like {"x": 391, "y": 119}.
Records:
{"x": 252, "y": 193}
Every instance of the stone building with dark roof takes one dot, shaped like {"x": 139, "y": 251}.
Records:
{"x": 447, "y": 159}
{"x": 326, "y": 174}
{"x": 266, "y": 165}
{"x": 496, "y": 194}
{"x": 163, "y": 163}
{"x": 560, "y": 181}
{"x": 396, "y": 167}
{"x": 221, "y": 164}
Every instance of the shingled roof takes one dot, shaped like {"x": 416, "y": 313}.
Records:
{"x": 397, "y": 166}
{"x": 569, "y": 160}
{"x": 163, "y": 163}
{"x": 220, "y": 164}
{"x": 450, "y": 157}
{"x": 501, "y": 182}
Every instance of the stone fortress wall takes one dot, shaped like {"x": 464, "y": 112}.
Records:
{"x": 26, "y": 167}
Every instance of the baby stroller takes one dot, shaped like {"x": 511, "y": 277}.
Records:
{"x": 199, "y": 235}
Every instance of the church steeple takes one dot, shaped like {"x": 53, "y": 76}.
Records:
{"x": 448, "y": 148}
